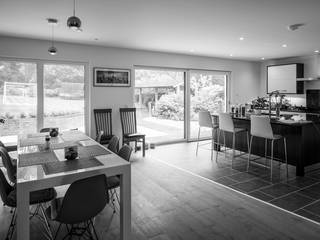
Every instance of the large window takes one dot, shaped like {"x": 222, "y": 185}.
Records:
{"x": 163, "y": 107}
{"x": 38, "y": 94}
{"x": 159, "y": 99}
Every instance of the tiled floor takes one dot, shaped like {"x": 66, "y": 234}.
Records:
{"x": 300, "y": 195}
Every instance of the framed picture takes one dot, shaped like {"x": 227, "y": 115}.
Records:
{"x": 111, "y": 77}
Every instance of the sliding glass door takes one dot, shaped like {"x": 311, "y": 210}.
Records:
{"x": 160, "y": 101}
{"x": 39, "y": 94}
{"x": 208, "y": 92}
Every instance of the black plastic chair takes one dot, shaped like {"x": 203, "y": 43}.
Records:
{"x": 9, "y": 164}
{"x": 103, "y": 121}
{"x": 114, "y": 144}
{"x": 113, "y": 182}
{"x": 129, "y": 128}
{"x": 9, "y": 198}
{"x": 84, "y": 200}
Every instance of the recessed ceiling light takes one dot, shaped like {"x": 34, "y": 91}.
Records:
{"x": 241, "y": 38}
{"x": 316, "y": 51}
{"x": 284, "y": 45}
{"x": 231, "y": 55}
{"x": 262, "y": 58}
{"x": 191, "y": 50}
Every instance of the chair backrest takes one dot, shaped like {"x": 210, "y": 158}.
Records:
{"x": 205, "y": 119}
{"x": 128, "y": 120}
{"x": 2, "y": 145}
{"x": 226, "y": 122}
{"x": 5, "y": 188}
{"x": 99, "y": 136}
{"x": 83, "y": 200}
{"x": 7, "y": 163}
{"x": 103, "y": 121}
{"x": 114, "y": 144}
{"x": 261, "y": 127}
{"x": 125, "y": 152}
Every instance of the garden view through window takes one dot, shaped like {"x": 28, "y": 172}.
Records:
{"x": 160, "y": 101}
{"x": 20, "y": 97}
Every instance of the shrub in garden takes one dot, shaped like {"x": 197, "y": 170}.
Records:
{"x": 170, "y": 106}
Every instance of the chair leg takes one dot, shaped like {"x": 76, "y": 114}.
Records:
{"x": 46, "y": 223}
{"x": 198, "y": 141}
{"x": 143, "y": 147}
{"x": 11, "y": 226}
{"x": 285, "y": 154}
{"x": 233, "y": 148}
{"x": 265, "y": 150}
{"x": 218, "y": 144}
{"x": 250, "y": 144}
{"x": 224, "y": 144}
{"x": 94, "y": 229}
{"x": 212, "y": 144}
{"x": 271, "y": 160}
{"x": 57, "y": 232}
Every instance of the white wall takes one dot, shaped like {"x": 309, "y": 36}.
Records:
{"x": 311, "y": 69}
{"x": 245, "y": 83}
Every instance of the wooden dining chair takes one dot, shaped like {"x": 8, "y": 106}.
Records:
{"x": 103, "y": 121}
{"x": 128, "y": 119}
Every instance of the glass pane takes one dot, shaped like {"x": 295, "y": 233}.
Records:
{"x": 159, "y": 99}
{"x": 64, "y": 96}
{"x": 18, "y": 99}
{"x": 207, "y": 93}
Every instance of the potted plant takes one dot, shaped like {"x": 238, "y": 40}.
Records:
{"x": 258, "y": 104}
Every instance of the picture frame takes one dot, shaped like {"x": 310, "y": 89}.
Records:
{"x": 111, "y": 77}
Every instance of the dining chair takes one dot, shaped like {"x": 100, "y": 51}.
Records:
{"x": 205, "y": 121}
{"x": 12, "y": 150}
{"x": 114, "y": 144}
{"x": 261, "y": 128}
{"x": 128, "y": 119}
{"x": 113, "y": 182}
{"x": 89, "y": 195}
{"x": 103, "y": 121}
{"x": 9, "y": 198}
{"x": 9, "y": 165}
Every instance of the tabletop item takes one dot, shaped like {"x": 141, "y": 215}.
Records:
{"x": 54, "y": 132}
{"x": 71, "y": 152}
{"x": 47, "y": 143}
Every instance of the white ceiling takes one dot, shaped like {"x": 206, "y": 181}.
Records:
{"x": 209, "y": 27}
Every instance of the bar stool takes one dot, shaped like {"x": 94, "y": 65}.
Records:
{"x": 205, "y": 120}
{"x": 226, "y": 125}
{"x": 261, "y": 127}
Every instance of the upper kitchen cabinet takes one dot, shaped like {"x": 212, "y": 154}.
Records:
{"x": 283, "y": 78}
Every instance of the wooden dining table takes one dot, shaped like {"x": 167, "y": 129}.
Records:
{"x": 38, "y": 168}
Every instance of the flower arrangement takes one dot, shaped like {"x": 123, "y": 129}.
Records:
{"x": 259, "y": 103}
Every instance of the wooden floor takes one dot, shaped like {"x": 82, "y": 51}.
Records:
{"x": 171, "y": 204}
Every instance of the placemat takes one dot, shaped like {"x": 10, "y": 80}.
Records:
{"x": 92, "y": 151}
{"x": 70, "y": 165}
{"x": 37, "y": 158}
{"x": 73, "y": 136}
{"x": 24, "y": 142}
{"x": 63, "y": 145}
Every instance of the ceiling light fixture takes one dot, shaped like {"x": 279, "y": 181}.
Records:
{"x": 241, "y": 38}
{"x": 231, "y": 55}
{"x": 53, "y": 22}
{"x": 74, "y": 22}
{"x": 284, "y": 45}
{"x": 191, "y": 50}
{"x": 262, "y": 58}
{"x": 316, "y": 51}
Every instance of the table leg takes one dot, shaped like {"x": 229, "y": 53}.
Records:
{"x": 125, "y": 204}
{"x": 23, "y": 225}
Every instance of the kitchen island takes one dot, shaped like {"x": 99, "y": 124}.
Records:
{"x": 303, "y": 140}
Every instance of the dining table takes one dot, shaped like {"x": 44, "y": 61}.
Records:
{"x": 40, "y": 167}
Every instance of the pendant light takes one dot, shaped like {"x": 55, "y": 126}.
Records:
{"x": 74, "y": 22}
{"x": 53, "y": 22}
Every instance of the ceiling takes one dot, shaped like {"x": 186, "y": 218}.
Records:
{"x": 196, "y": 27}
